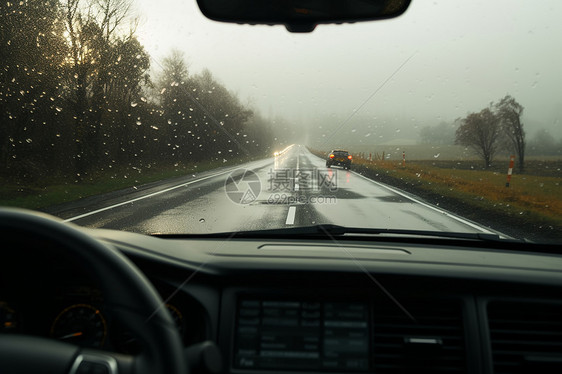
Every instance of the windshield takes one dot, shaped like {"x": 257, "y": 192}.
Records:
{"x": 145, "y": 116}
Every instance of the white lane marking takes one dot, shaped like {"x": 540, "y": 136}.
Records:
{"x": 145, "y": 196}
{"x": 291, "y": 215}
{"x": 461, "y": 220}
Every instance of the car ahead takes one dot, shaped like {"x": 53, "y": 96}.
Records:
{"x": 339, "y": 157}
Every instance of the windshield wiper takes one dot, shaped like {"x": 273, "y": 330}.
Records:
{"x": 327, "y": 231}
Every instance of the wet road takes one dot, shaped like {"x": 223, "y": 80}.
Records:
{"x": 292, "y": 189}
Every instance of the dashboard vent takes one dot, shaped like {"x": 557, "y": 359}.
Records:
{"x": 525, "y": 337}
{"x": 433, "y": 343}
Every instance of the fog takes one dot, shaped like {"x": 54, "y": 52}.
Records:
{"x": 438, "y": 62}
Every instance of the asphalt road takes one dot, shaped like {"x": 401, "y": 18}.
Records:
{"x": 292, "y": 189}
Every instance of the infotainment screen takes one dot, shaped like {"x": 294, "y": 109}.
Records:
{"x": 301, "y": 335}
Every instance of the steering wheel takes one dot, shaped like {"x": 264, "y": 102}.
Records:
{"x": 128, "y": 297}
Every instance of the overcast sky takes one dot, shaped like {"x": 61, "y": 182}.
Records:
{"x": 462, "y": 55}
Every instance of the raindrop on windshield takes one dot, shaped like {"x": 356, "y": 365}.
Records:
{"x": 201, "y": 220}
{"x": 437, "y": 155}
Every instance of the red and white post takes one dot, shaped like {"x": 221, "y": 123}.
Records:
{"x": 510, "y": 170}
{"x": 403, "y": 158}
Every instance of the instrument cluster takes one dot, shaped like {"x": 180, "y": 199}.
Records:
{"x": 76, "y": 314}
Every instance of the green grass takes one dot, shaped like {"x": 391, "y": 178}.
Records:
{"x": 61, "y": 189}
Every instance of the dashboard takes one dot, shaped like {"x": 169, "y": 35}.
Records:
{"x": 304, "y": 306}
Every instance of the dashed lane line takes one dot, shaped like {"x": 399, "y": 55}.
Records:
{"x": 291, "y": 215}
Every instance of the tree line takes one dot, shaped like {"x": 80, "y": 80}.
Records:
{"x": 77, "y": 97}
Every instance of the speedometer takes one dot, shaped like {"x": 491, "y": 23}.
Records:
{"x": 80, "y": 324}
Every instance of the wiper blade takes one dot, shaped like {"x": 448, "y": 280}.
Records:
{"x": 329, "y": 230}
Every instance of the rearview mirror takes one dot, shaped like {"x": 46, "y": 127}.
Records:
{"x": 301, "y": 15}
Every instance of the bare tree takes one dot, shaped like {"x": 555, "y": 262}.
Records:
{"x": 481, "y": 132}
{"x": 509, "y": 112}
{"x": 105, "y": 70}
{"x": 112, "y": 14}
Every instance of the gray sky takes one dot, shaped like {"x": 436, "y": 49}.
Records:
{"x": 464, "y": 54}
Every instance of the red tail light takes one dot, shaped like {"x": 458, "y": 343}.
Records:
{"x": 349, "y": 157}
{"x": 332, "y": 156}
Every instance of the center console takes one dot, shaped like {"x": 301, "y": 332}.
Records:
{"x": 319, "y": 333}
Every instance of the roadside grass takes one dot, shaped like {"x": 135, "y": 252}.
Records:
{"x": 528, "y": 195}
{"x": 61, "y": 189}
{"x": 547, "y": 167}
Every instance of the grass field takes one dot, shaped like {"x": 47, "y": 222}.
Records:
{"x": 528, "y": 193}
{"x": 458, "y": 157}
